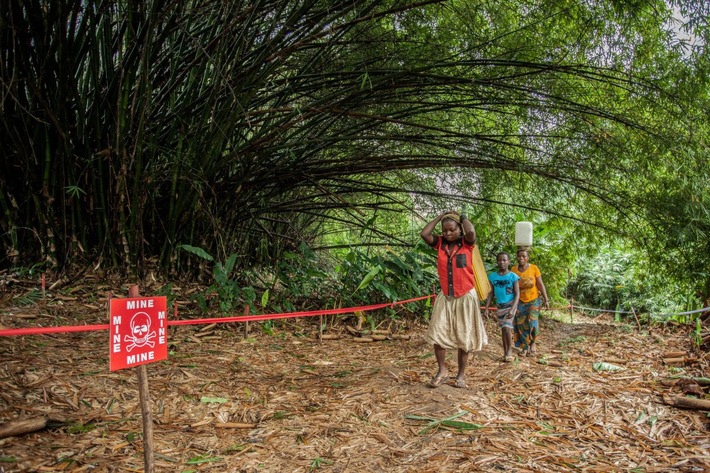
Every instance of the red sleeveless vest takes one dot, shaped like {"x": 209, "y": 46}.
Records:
{"x": 455, "y": 269}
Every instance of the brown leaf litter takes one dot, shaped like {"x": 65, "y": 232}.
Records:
{"x": 287, "y": 402}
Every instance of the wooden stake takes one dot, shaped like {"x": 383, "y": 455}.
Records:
{"x": 636, "y": 317}
{"x": 246, "y": 324}
{"x": 320, "y": 329}
{"x": 144, "y": 396}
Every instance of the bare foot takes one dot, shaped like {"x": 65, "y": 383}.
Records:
{"x": 438, "y": 380}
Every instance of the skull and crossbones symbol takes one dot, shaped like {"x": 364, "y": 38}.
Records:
{"x": 140, "y": 332}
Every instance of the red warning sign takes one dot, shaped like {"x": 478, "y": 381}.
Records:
{"x": 138, "y": 332}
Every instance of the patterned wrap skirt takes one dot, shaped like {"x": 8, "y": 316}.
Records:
{"x": 456, "y": 323}
{"x": 505, "y": 318}
{"x": 526, "y": 323}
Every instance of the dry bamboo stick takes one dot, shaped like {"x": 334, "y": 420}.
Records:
{"x": 25, "y": 426}
{"x": 676, "y": 361}
{"x": 675, "y": 354}
{"x": 207, "y": 328}
{"x": 234, "y": 425}
{"x": 687, "y": 402}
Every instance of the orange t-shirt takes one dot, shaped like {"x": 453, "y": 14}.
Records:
{"x": 528, "y": 282}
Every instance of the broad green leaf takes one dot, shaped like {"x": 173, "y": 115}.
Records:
{"x": 603, "y": 366}
{"x": 197, "y": 251}
{"x": 229, "y": 264}
{"x": 369, "y": 277}
{"x": 459, "y": 425}
{"x": 265, "y": 298}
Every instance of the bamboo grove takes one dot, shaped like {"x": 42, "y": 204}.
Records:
{"x": 132, "y": 127}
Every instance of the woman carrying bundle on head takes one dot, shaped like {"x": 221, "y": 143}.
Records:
{"x": 456, "y": 321}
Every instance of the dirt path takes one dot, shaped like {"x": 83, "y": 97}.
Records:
{"x": 342, "y": 406}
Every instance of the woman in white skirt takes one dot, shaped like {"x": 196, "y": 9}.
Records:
{"x": 456, "y": 321}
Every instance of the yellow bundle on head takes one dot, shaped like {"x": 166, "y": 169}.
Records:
{"x": 455, "y": 217}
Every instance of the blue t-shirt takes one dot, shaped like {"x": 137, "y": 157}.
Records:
{"x": 503, "y": 286}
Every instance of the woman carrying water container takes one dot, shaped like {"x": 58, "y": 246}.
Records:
{"x": 526, "y": 326}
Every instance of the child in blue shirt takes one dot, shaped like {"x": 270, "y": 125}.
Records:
{"x": 507, "y": 292}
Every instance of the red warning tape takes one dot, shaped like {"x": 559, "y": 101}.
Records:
{"x": 216, "y": 320}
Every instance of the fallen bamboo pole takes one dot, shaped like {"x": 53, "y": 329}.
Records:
{"x": 687, "y": 402}
{"x": 20, "y": 427}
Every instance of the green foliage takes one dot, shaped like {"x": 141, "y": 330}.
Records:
{"x": 557, "y": 244}
{"x": 229, "y": 291}
{"x": 697, "y": 335}
{"x": 307, "y": 279}
{"x": 144, "y": 146}
{"x": 394, "y": 275}
{"x": 29, "y": 272}
{"x": 617, "y": 280}
{"x": 199, "y": 459}
{"x": 167, "y": 291}
{"x": 197, "y": 251}
{"x": 605, "y": 282}
{"x": 268, "y": 327}
{"x": 30, "y": 298}
{"x": 589, "y": 119}
{"x": 79, "y": 428}
{"x": 302, "y": 278}
{"x": 319, "y": 462}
